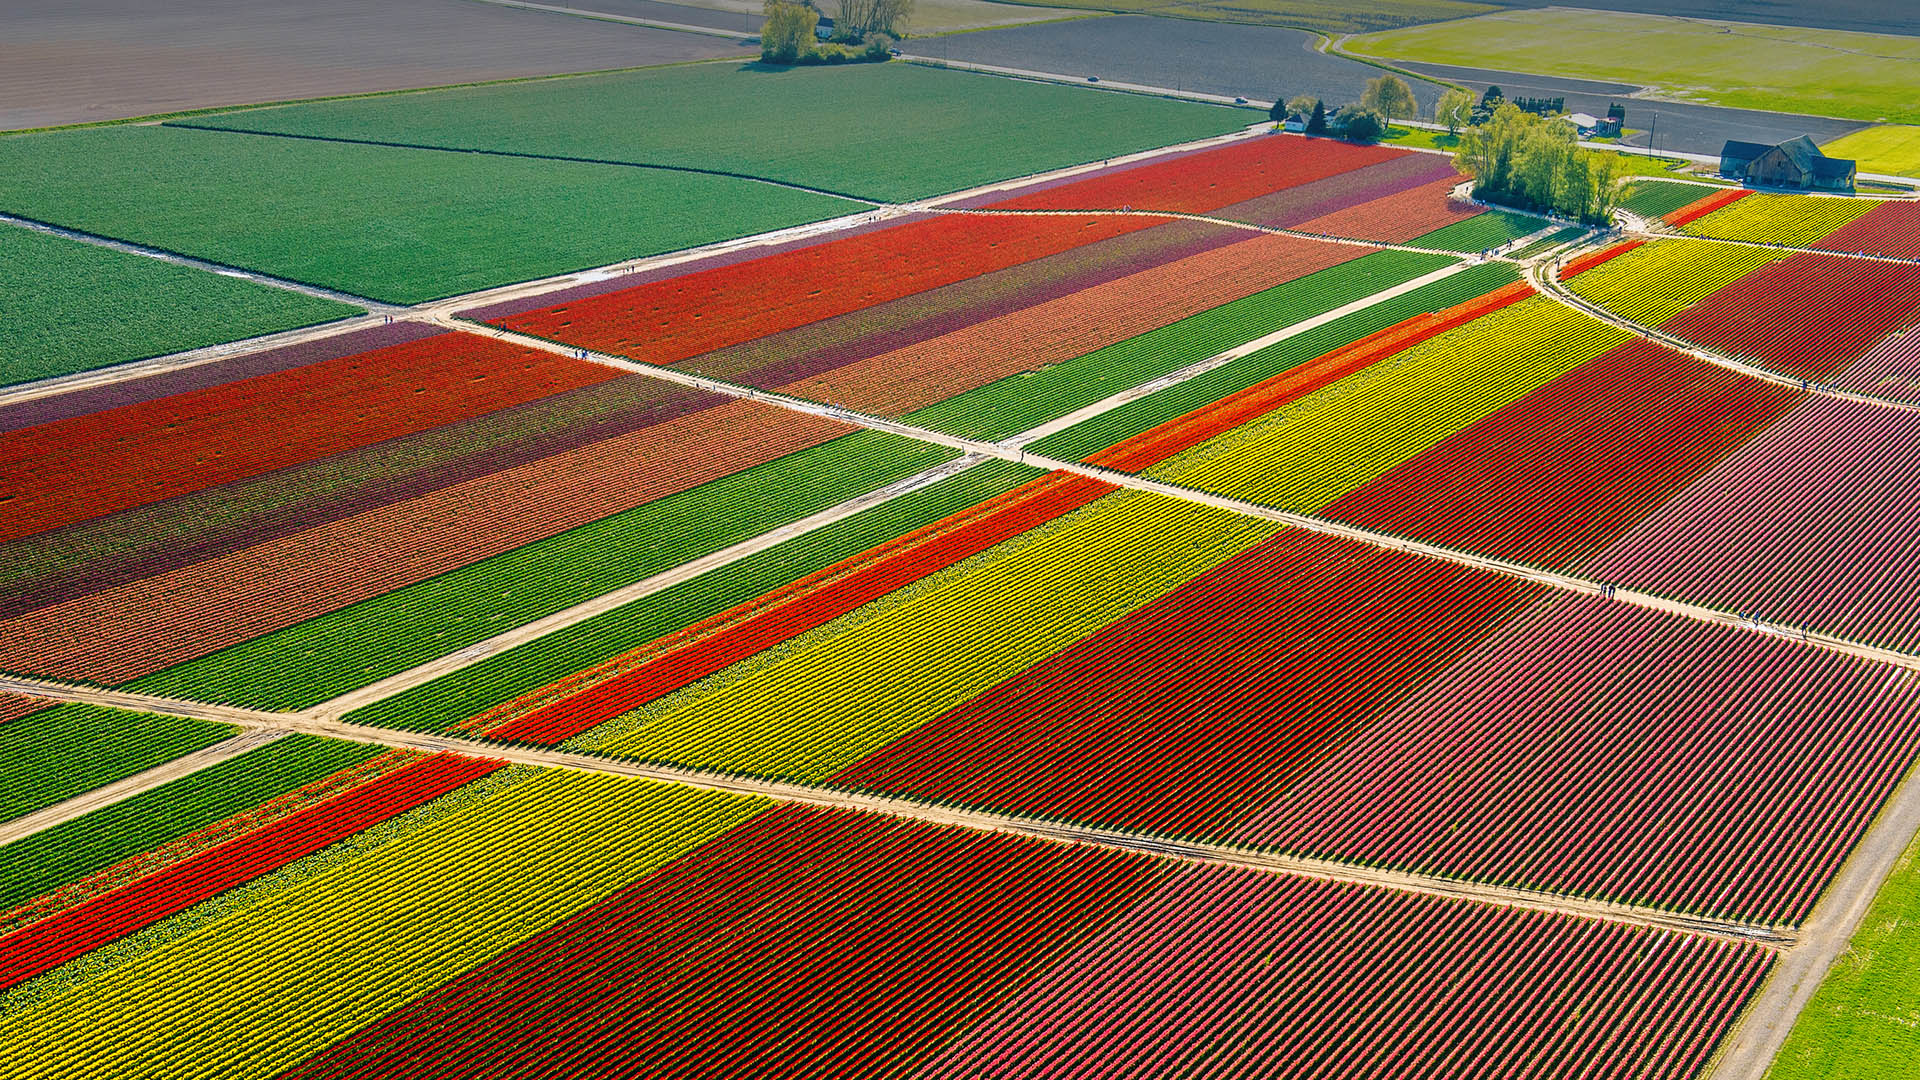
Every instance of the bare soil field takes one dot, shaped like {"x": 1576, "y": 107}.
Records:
{"x": 1255, "y": 62}
{"x": 93, "y": 60}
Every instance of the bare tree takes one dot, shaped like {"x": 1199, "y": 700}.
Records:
{"x": 858, "y": 18}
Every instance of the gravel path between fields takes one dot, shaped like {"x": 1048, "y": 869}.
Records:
{"x": 307, "y": 723}
{"x": 250, "y": 738}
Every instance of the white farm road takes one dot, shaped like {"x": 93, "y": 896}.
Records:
{"x": 1804, "y": 956}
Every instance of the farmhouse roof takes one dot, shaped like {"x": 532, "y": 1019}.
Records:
{"x": 1744, "y": 151}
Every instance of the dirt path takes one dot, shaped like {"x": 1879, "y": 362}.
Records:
{"x": 1008, "y": 452}
{"x": 1195, "y": 370}
{"x": 1545, "y": 278}
{"x": 164, "y": 773}
{"x": 1748, "y": 1051}
{"x": 1248, "y": 226}
{"x": 560, "y": 620}
{"x": 374, "y": 306}
{"x": 269, "y": 723}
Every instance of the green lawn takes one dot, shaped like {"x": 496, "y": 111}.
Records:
{"x": 887, "y": 132}
{"x": 392, "y": 224}
{"x": 1864, "y": 1021}
{"x": 1891, "y": 149}
{"x": 66, "y": 306}
{"x": 1780, "y": 69}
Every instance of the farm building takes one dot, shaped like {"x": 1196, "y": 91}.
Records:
{"x": 1796, "y": 163}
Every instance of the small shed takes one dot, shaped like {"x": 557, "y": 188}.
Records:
{"x": 1796, "y": 163}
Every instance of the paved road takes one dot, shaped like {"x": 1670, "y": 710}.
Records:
{"x": 1692, "y": 129}
{"x": 1260, "y": 63}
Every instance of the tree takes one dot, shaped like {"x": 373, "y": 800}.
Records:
{"x": 1454, "y": 109}
{"x": 1358, "y": 123}
{"x": 787, "y": 34}
{"x": 1301, "y": 105}
{"x": 1535, "y": 163}
{"x": 1278, "y": 113}
{"x": 1317, "y": 123}
{"x": 858, "y": 18}
{"x": 1390, "y": 96}
{"x": 1493, "y": 97}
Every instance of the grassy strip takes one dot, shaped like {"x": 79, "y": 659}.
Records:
{"x": 944, "y": 130}
{"x": 324, "y": 657}
{"x": 38, "y": 864}
{"x": 1016, "y": 403}
{"x": 451, "y": 698}
{"x": 70, "y": 306}
{"x": 1889, "y": 148}
{"x": 1097, "y": 433}
{"x": 1860, "y": 1023}
{"x": 1551, "y": 241}
{"x": 397, "y": 225}
{"x": 54, "y": 755}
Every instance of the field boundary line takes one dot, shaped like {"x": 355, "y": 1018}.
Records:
{"x": 1770, "y": 937}
{"x": 378, "y": 307}
{"x": 1747, "y": 1051}
{"x": 249, "y": 738}
{"x": 1218, "y": 360}
{"x": 629, "y": 20}
{"x": 1248, "y": 226}
{"x": 473, "y": 654}
{"x": 1545, "y": 278}
{"x": 393, "y": 144}
{"x": 495, "y": 294}
{"x": 181, "y": 361}
{"x": 339, "y": 707}
{"x": 1312, "y": 523}
{"x": 1860, "y": 256}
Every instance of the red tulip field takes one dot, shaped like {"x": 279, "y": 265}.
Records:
{"x": 1238, "y": 610}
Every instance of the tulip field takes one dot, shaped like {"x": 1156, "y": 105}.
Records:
{"x": 1792, "y": 220}
{"x": 1225, "y": 612}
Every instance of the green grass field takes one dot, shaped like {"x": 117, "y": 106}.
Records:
{"x": 887, "y": 132}
{"x": 1333, "y": 16}
{"x": 1865, "y": 1018}
{"x": 1891, "y": 149}
{"x": 392, "y": 224}
{"x": 1780, "y": 69}
{"x": 67, "y": 306}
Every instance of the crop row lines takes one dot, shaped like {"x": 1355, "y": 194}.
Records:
{"x": 1569, "y": 582}
{"x": 1174, "y": 215}
{"x": 1545, "y": 277}
{"x": 1188, "y": 851}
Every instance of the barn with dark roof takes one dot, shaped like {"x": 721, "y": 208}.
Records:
{"x": 1796, "y": 163}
